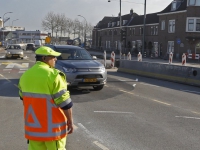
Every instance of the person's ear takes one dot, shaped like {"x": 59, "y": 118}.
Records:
{"x": 44, "y": 58}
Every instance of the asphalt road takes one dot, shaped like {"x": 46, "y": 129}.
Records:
{"x": 130, "y": 113}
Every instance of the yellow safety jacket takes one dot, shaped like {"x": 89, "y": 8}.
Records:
{"x": 44, "y": 93}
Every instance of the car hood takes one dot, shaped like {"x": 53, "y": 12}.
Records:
{"x": 14, "y": 51}
{"x": 80, "y": 63}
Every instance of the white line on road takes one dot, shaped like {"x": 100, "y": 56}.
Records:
{"x": 84, "y": 128}
{"x": 149, "y": 84}
{"x": 7, "y": 69}
{"x": 10, "y": 65}
{"x": 161, "y": 102}
{"x": 21, "y": 71}
{"x": 100, "y": 145}
{"x": 190, "y": 91}
{"x": 115, "y": 112}
{"x": 187, "y": 117}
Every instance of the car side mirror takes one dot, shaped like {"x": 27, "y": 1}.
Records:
{"x": 94, "y": 57}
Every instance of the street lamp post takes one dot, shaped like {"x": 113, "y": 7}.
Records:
{"x": 120, "y": 24}
{"x": 3, "y": 24}
{"x": 143, "y": 41}
{"x": 85, "y": 30}
{"x": 12, "y": 23}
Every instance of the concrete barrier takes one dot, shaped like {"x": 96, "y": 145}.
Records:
{"x": 181, "y": 74}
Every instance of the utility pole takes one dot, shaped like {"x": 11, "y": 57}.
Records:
{"x": 143, "y": 41}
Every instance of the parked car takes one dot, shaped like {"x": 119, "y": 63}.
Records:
{"x": 14, "y": 51}
{"x": 80, "y": 67}
{"x": 30, "y": 46}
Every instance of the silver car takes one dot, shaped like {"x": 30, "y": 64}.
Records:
{"x": 80, "y": 67}
{"x": 14, "y": 51}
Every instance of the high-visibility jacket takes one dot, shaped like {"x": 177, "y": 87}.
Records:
{"x": 44, "y": 93}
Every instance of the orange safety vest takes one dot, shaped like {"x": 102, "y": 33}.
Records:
{"x": 44, "y": 121}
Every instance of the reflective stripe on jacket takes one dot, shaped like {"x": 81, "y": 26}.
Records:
{"x": 44, "y": 93}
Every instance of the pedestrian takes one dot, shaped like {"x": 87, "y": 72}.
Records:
{"x": 47, "y": 103}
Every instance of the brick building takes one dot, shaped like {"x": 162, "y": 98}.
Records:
{"x": 175, "y": 29}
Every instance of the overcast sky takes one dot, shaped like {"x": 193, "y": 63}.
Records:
{"x": 31, "y": 12}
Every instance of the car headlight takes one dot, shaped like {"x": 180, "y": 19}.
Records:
{"x": 21, "y": 53}
{"x": 102, "y": 69}
{"x": 67, "y": 70}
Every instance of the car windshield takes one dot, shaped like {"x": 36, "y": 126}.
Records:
{"x": 71, "y": 54}
{"x": 14, "y": 47}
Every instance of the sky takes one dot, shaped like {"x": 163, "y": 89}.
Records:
{"x": 31, "y": 12}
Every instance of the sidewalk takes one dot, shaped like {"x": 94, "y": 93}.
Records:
{"x": 153, "y": 60}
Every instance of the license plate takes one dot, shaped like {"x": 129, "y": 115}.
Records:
{"x": 15, "y": 55}
{"x": 90, "y": 80}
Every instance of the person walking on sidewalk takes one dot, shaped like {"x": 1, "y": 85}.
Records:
{"x": 47, "y": 103}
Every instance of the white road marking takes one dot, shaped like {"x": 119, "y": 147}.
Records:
{"x": 149, "y": 84}
{"x": 100, "y": 145}
{"x": 10, "y": 65}
{"x": 114, "y": 112}
{"x": 7, "y": 69}
{"x": 134, "y": 85}
{"x": 25, "y": 65}
{"x": 190, "y": 91}
{"x": 161, "y": 102}
{"x": 122, "y": 80}
{"x": 21, "y": 71}
{"x": 84, "y": 128}
{"x": 186, "y": 117}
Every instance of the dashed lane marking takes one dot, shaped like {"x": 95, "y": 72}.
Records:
{"x": 195, "y": 112}
{"x": 186, "y": 117}
{"x": 100, "y": 145}
{"x": 146, "y": 98}
{"x": 85, "y": 129}
{"x": 160, "y": 102}
{"x": 114, "y": 112}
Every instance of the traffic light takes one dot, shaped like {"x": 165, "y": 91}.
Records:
{"x": 123, "y": 34}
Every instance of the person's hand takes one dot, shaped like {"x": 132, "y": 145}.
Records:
{"x": 70, "y": 127}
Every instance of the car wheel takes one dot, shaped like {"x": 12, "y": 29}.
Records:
{"x": 22, "y": 58}
{"x": 98, "y": 88}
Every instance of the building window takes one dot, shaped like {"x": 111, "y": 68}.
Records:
{"x": 156, "y": 30}
{"x": 141, "y": 31}
{"x": 173, "y": 6}
{"x": 151, "y": 30}
{"x": 198, "y": 25}
{"x": 133, "y": 31}
{"x": 171, "y": 27}
{"x": 170, "y": 47}
{"x": 190, "y": 24}
{"x": 192, "y": 2}
{"x": 193, "y": 24}
{"x": 117, "y": 23}
{"x": 163, "y": 25}
{"x": 133, "y": 44}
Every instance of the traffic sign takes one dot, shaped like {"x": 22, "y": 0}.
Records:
{"x": 48, "y": 40}
{"x": 178, "y": 41}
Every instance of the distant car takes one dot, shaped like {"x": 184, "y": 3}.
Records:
{"x": 70, "y": 42}
{"x": 80, "y": 67}
{"x": 14, "y": 51}
{"x": 30, "y": 46}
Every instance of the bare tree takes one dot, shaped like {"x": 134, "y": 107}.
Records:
{"x": 49, "y": 22}
{"x": 75, "y": 25}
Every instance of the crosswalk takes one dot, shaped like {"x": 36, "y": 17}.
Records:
{"x": 14, "y": 67}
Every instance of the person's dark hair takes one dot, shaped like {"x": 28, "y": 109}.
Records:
{"x": 38, "y": 58}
